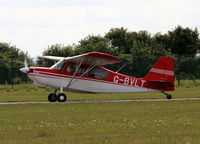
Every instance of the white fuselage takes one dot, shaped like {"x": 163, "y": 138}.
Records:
{"x": 81, "y": 84}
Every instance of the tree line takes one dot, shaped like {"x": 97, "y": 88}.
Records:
{"x": 138, "y": 50}
{"x": 11, "y": 59}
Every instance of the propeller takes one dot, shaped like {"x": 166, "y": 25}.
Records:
{"x": 25, "y": 69}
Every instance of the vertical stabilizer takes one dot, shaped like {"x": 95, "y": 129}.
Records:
{"x": 162, "y": 73}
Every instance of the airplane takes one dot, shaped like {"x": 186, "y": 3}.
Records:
{"x": 85, "y": 74}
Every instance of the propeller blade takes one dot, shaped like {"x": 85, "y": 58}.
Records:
{"x": 25, "y": 63}
{"x": 26, "y": 68}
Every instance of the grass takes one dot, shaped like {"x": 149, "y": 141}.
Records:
{"x": 176, "y": 122}
{"x": 29, "y": 92}
{"x": 167, "y": 122}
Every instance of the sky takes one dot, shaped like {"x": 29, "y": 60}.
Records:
{"x": 33, "y": 25}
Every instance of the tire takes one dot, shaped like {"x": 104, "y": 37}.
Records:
{"x": 169, "y": 96}
{"x": 62, "y": 97}
{"x": 52, "y": 97}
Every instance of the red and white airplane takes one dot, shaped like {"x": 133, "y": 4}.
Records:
{"x": 84, "y": 73}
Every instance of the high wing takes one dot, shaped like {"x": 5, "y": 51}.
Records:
{"x": 55, "y": 58}
{"x": 92, "y": 58}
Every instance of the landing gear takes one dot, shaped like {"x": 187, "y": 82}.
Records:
{"x": 52, "y": 97}
{"x": 60, "y": 98}
{"x": 167, "y": 95}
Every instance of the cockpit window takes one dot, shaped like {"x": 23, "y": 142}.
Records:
{"x": 60, "y": 65}
{"x": 72, "y": 68}
{"x": 98, "y": 73}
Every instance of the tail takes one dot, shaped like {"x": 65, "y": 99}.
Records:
{"x": 161, "y": 75}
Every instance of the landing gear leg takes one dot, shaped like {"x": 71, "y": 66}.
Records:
{"x": 167, "y": 95}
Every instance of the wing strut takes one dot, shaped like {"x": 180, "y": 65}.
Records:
{"x": 88, "y": 69}
{"x": 77, "y": 67}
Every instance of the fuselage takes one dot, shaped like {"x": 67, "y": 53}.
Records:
{"x": 97, "y": 80}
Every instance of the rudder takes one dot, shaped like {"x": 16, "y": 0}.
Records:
{"x": 162, "y": 74}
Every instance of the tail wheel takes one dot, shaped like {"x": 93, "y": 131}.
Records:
{"x": 52, "y": 97}
{"x": 62, "y": 97}
{"x": 169, "y": 96}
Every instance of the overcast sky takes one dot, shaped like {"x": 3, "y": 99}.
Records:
{"x": 32, "y": 25}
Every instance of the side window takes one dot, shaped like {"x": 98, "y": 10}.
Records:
{"x": 98, "y": 73}
{"x": 72, "y": 68}
{"x": 80, "y": 70}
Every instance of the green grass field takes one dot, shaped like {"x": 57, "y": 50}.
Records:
{"x": 29, "y": 92}
{"x": 176, "y": 122}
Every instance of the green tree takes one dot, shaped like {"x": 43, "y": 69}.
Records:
{"x": 95, "y": 44}
{"x": 11, "y": 59}
{"x": 184, "y": 42}
{"x": 120, "y": 39}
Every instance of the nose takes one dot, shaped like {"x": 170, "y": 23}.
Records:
{"x": 24, "y": 69}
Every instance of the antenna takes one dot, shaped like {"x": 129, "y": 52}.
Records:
{"x": 121, "y": 67}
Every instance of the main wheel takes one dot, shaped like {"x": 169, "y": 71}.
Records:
{"x": 62, "y": 97}
{"x": 52, "y": 97}
{"x": 169, "y": 96}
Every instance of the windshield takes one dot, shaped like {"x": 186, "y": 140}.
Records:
{"x": 59, "y": 65}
